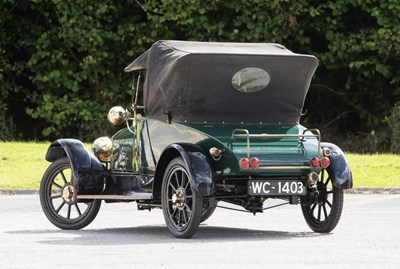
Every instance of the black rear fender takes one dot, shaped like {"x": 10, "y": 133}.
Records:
{"x": 196, "y": 162}
{"x": 339, "y": 167}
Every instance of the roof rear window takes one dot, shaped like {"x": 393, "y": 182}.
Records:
{"x": 250, "y": 79}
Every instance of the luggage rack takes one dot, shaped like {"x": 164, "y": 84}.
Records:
{"x": 244, "y": 133}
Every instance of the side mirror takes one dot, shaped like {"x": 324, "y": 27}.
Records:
{"x": 117, "y": 115}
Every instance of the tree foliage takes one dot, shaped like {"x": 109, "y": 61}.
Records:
{"x": 68, "y": 58}
{"x": 61, "y": 61}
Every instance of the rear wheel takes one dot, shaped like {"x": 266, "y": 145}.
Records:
{"x": 57, "y": 198}
{"x": 182, "y": 205}
{"x": 208, "y": 210}
{"x": 323, "y": 213}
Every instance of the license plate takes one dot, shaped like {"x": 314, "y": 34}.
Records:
{"x": 276, "y": 187}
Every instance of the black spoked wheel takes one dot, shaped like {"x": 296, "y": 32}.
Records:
{"x": 57, "y": 198}
{"x": 322, "y": 214}
{"x": 182, "y": 205}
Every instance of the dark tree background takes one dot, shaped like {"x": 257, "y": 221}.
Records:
{"x": 61, "y": 62}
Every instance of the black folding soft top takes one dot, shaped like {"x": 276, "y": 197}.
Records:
{"x": 199, "y": 82}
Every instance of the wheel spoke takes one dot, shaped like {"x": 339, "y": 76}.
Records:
{"x": 69, "y": 212}
{"x": 179, "y": 217}
{"x": 188, "y": 209}
{"x": 319, "y": 213}
{"x": 172, "y": 186}
{"x": 184, "y": 216}
{"x": 329, "y": 203}
{"x": 313, "y": 207}
{"x": 327, "y": 181}
{"x": 175, "y": 210}
{"x": 325, "y": 213}
{"x": 58, "y": 186}
{"x": 176, "y": 179}
{"x": 55, "y": 196}
{"x": 77, "y": 209}
{"x": 183, "y": 179}
{"x": 63, "y": 176}
{"x": 187, "y": 185}
{"x": 61, "y": 206}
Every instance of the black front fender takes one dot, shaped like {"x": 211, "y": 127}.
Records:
{"x": 196, "y": 162}
{"x": 339, "y": 168}
{"x": 88, "y": 173}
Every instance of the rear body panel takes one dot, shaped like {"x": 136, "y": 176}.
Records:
{"x": 278, "y": 155}
{"x": 293, "y": 154}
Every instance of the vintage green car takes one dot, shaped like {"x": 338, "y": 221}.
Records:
{"x": 219, "y": 122}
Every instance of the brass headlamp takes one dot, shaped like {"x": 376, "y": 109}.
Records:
{"x": 102, "y": 148}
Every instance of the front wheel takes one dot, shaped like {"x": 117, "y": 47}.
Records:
{"x": 57, "y": 198}
{"x": 323, "y": 212}
{"x": 182, "y": 205}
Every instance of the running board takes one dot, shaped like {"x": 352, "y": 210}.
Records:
{"x": 133, "y": 196}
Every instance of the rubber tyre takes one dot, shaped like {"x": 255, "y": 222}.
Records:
{"x": 181, "y": 204}
{"x": 207, "y": 211}
{"x": 324, "y": 213}
{"x": 64, "y": 213}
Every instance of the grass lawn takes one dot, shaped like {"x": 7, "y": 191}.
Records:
{"x": 22, "y": 166}
{"x": 375, "y": 170}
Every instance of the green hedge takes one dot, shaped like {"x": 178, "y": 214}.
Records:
{"x": 62, "y": 62}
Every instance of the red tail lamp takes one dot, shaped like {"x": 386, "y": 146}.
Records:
{"x": 325, "y": 162}
{"x": 244, "y": 163}
{"x": 315, "y": 162}
{"x": 255, "y": 162}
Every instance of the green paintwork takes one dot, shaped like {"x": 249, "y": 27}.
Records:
{"x": 156, "y": 136}
{"x": 163, "y": 134}
{"x": 275, "y": 152}
{"x": 271, "y": 151}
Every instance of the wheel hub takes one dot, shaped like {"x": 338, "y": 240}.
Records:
{"x": 179, "y": 198}
{"x": 68, "y": 194}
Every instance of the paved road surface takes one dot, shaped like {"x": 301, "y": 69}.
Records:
{"x": 368, "y": 236}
